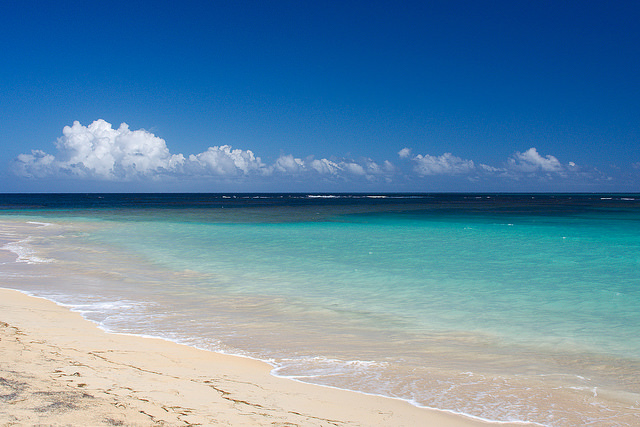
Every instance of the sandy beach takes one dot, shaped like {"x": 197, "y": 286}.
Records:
{"x": 57, "y": 368}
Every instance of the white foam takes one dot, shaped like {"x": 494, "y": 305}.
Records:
{"x": 413, "y": 402}
{"x": 43, "y": 224}
{"x": 103, "y": 305}
{"x": 321, "y": 367}
{"x": 25, "y": 253}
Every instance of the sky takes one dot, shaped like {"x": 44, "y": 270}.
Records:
{"x": 301, "y": 96}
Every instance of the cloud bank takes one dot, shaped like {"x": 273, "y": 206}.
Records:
{"x": 100, "y": 152}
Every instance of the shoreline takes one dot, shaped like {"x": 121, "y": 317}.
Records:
{"x": 44, "y": 260}
{"x": 59, "y": 368}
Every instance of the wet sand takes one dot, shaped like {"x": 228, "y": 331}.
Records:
{"x": 57, "y": 368}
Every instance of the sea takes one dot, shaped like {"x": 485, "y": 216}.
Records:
{"x": 502, "y": 307}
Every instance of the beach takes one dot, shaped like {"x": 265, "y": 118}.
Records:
{"x": 508, "y": 309}
{"x": 58, "y": 369}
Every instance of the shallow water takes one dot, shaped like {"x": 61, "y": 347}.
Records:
{"x": 504, "y": 307}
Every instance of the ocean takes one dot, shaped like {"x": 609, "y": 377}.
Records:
{"x": 504, "y": 307}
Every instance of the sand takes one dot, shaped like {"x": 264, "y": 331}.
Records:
{"x": 57, "y": 368}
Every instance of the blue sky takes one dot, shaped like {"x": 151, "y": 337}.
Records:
{"x": 320, "y": 96}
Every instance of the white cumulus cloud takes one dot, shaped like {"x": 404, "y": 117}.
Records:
{"x": 530, "y": 161}
{"x": 38, "y": 164}
{"x": 325, "y": 166}
{"x": 224, "y": 161}
{"x": 289, "y": 164}
{"x": 99, "y": 151}
{"x": 446, "y": 164}
{"x": 404, "y": 153}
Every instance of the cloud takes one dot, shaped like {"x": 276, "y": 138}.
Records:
{"x": 38, "y": 164}
{"x": 289, "y": 165}
{"x": 446, "y": 164}
{"x": 224, "y": 161}
{"x": 523, "y": 170}
{"x": 98, "y": 152}
{"x": 530, "y": 161}
{"x": 490, "y": 169}
{"x": 404, "y": 153}
{"x": 325, "y": 167}
{"x": 345, "y": 169}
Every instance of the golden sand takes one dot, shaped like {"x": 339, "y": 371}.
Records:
{"x": 57, "y": 368}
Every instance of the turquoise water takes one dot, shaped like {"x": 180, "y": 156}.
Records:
{"x": 495, "y": 306}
